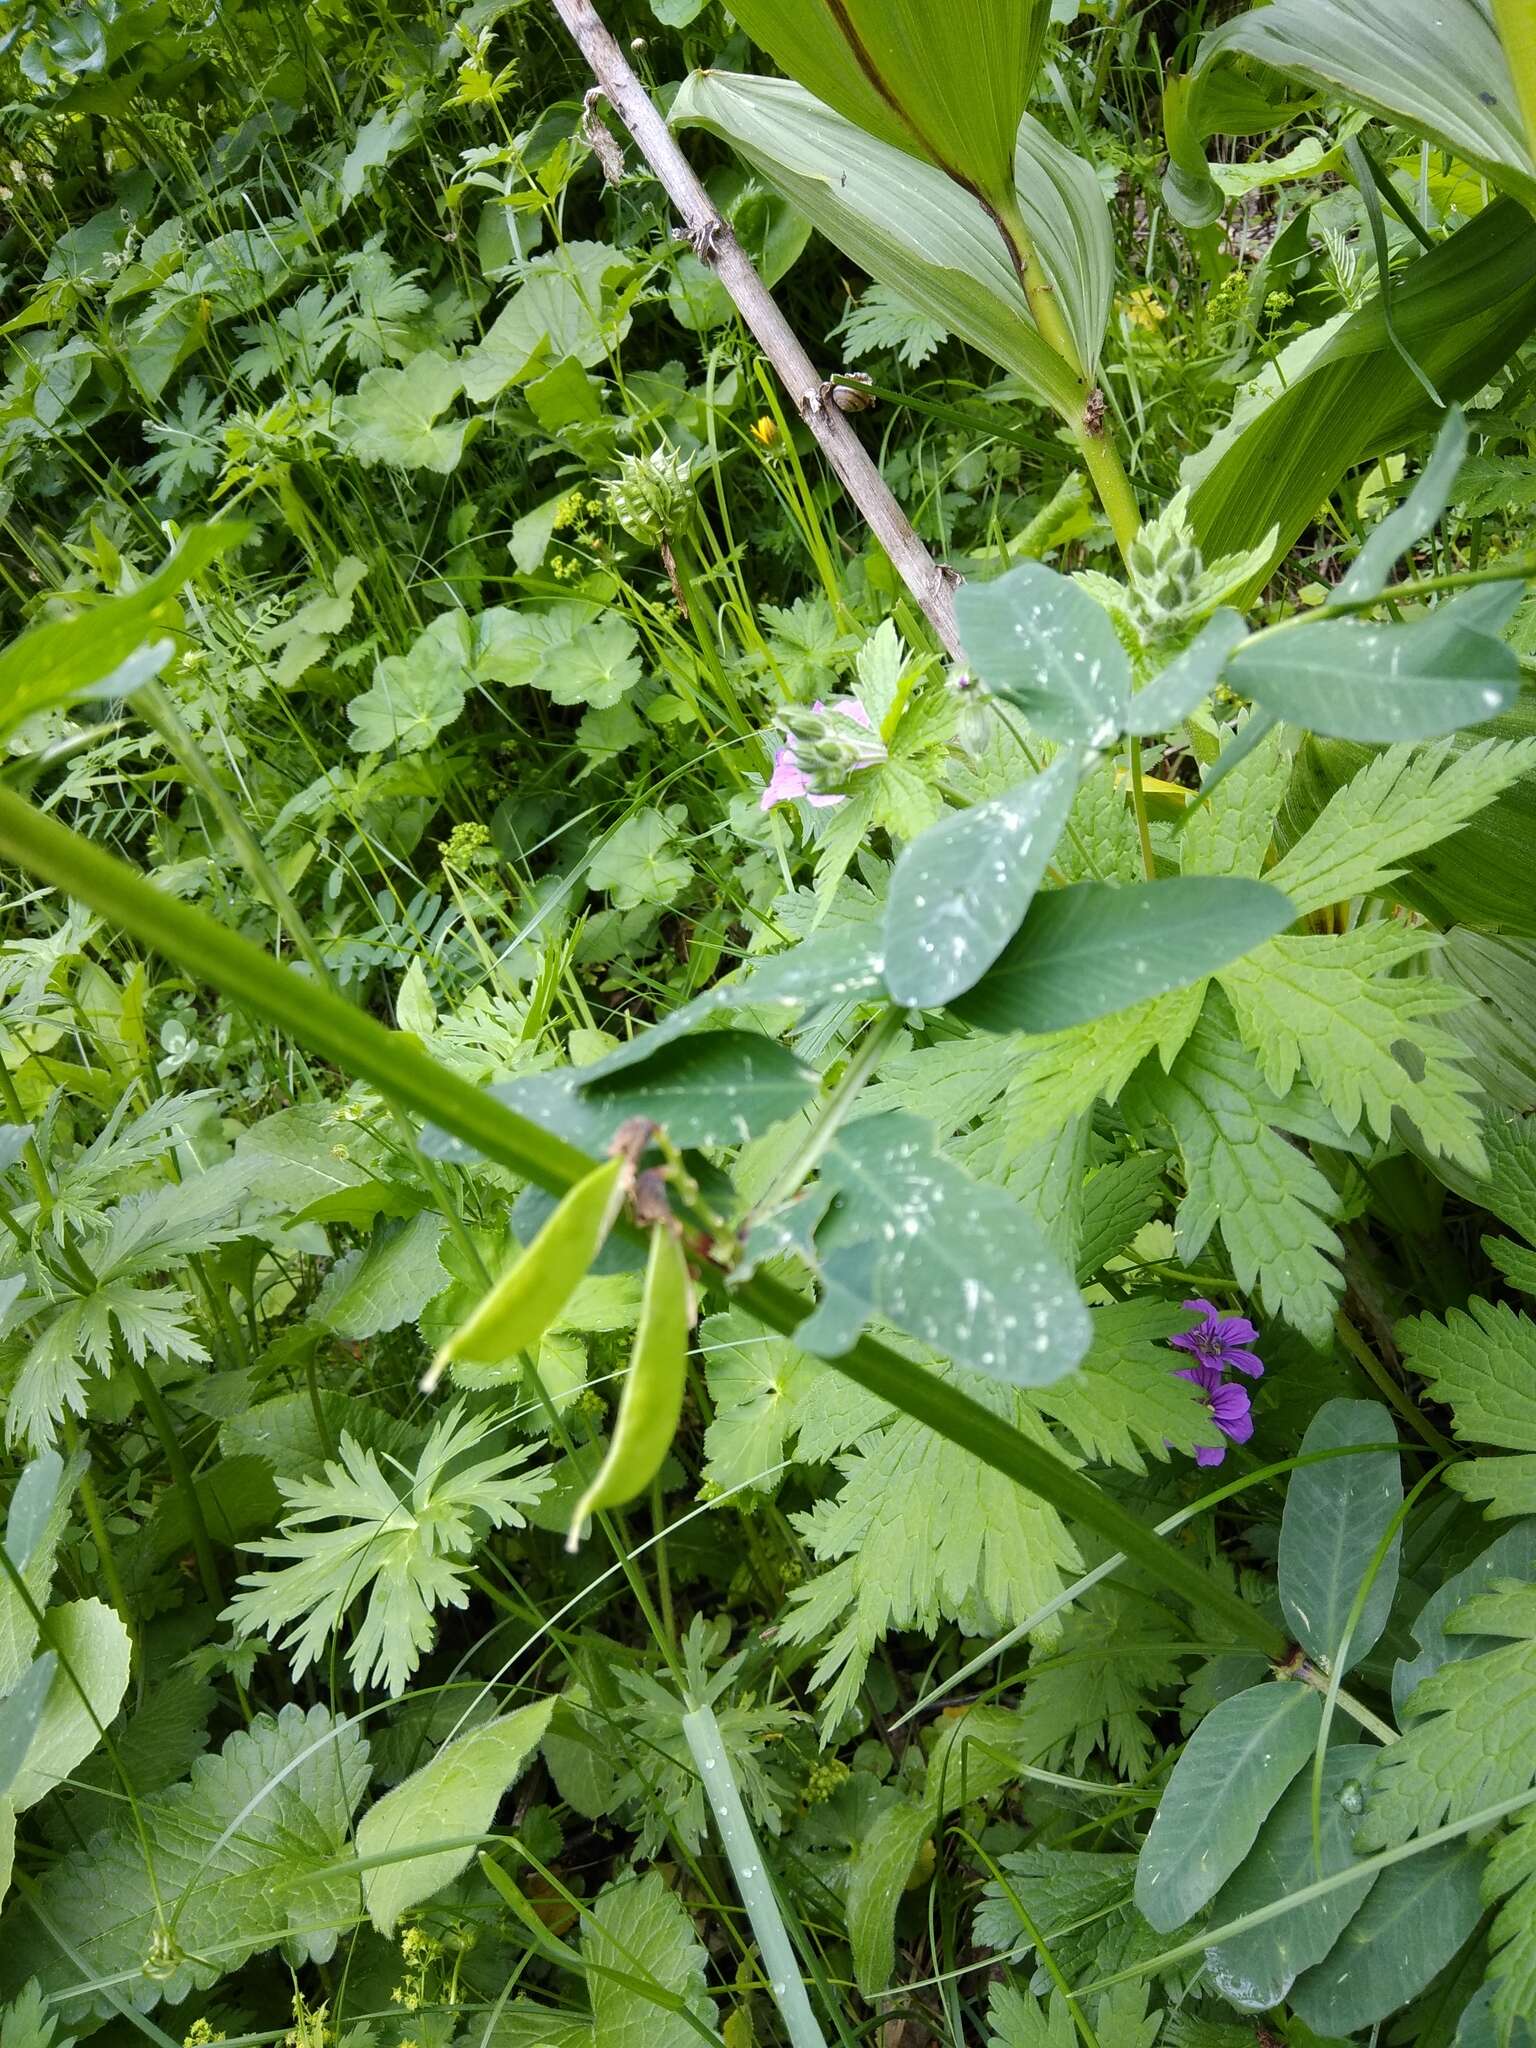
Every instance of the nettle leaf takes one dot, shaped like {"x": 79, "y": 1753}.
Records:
{"x": 1255, "y": 1970}
{"x": 960, "y": 890}
{"x": 393, "y": 416}
{"x": 456, "y": 1794}
{"x": 1417, "y": 1916}
{"x": 1336, "y": 1515}
{"x": 1234, "y": 1768}
{"x": 955, "y": 1262}
{"x": 1417, "y": 681}
{"x": 1033, "y": 637}
{"x": 368, "y": 1292}
{"x": 1481, "y": 1361}
{"x": 250, "y": 1853}
{"x": 1082, "y": 950}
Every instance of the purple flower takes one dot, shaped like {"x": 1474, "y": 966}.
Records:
{"x": 1221, "y": 1341}
{"x": 1228, "y": 1404}
{"x": 789, "y": 780}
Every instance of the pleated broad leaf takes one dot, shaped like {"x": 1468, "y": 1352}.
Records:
{"x": 1337, "y": 1513}
{"x": 1097, "y": 947}
{"x": 954, "y": 1262}
{"x": 945, "y": 80}
{"x": 1234, "y": 1768}
{"x": 960, "y": 890}
{"x": 1433, "y": 66}
{"x": 917, "y": 231}
{"x": 1352, "y": 681}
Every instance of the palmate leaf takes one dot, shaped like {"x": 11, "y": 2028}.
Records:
{"x": 1271, "y": 1203}
{"x": 1332, "y": 1004}
{"x": 243, "y": 1857}
{"x": 770, "y": 1398}
{"x": 1124, "y": 1400}
{"x": 394, "y": 416}
{"x": 915, "y": 230}
{"x": 403, "y": 1547}
{"x": 946, "y": 83}
{"x": 916, "y": 1534}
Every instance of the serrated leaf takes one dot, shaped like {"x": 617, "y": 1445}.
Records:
{"x": 1034, "y": 637}
{"x": 456, "y": 1794}
{"x": 1257, "y": 1969}
{"x": 953, "y": 1261}
{"x": 251, "y": 1853}
{"x": 1481, "y": 1361}
{"x": 636, "y": 1927}
{"x": 771, "y": 1398}
{"x": 1082, "y": 951}
{"x": 1336, "y": 1515}
{"x": 1234, "y": 1768}
{"x": 1126, "y": 1398}
{"x": 92, "y": 1649}
{"x": 1365, "y": 682}
{"x": 368, "y": 1292}
{"x": 1417, "y": 1916}
{"x": 960, "y": 890}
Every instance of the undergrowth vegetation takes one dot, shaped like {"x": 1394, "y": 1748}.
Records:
{"x": 742, "y": 1297}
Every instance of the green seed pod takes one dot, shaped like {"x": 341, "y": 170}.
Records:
{"x": 652, "y": 1399}
{"x": 652, "y": 495}
{"x": 537, "y": 1285}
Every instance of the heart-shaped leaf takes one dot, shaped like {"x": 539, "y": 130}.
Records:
{"x": 955, "y": 1262}
{"x": 1097, "y": 947}
{"x": 1034, "y": 637}
{"x": 960, "y": 890}
{"x": 1234, "y": 1768}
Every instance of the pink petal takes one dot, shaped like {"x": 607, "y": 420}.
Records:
{"x": 786, "y": 782}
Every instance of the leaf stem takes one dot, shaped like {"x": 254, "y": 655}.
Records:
{"x": 1361, "y": 1352}
{"x": 180, "y": 1469}
{"x": 832, "y": 1112}
{"x": 392, "y": 1062}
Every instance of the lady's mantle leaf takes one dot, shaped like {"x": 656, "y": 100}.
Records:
{"x": 1033, "y": 637}
{"x": 455, "y": 1795}
{"x": 1234, "y": 1768}
{"x": 392, "y": 415}
{"x": 1093, "y": 948}
{"x": 954, "y": 1262}
{"x": 960, "y": 890}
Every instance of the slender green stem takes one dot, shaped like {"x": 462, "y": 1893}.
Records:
{"x": 1139, "y": 805}
{"x": 37, "y": 1173}
{"x": 182, "y": 1476}
{"x": 360, "y": 1046}
{"x": 1515, "y": 21}
{"x": 1101, "y": 458}
{"x": 832, "y": 1112}
{"x": 101, "y": 1536}
{"x": 1383, "y": 1381}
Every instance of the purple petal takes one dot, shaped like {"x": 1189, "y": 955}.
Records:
{"x": 1189, "y": 1340}
{"x": 1244, "y": 1361}
{"x": 1232, "y": 1412}
{"x": 1206, "y": 1377}
{"x": 1231, "y": 1331}
{"x": 1206, "y": 1308}
{"x": 786, "y": 782}
{"x": 1213, "y": 1456}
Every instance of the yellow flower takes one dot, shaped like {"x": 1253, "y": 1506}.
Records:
{"x": 765, "y": 431}
{"x": 1144, "y": 309}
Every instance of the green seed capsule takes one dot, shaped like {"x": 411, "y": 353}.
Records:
{"x": 541, "y": 1280}
{"x": 653, "y": 1387}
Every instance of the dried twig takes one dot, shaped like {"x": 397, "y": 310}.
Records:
{"x": 711, "y": 239}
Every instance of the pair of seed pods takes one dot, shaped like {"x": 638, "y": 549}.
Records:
{"x": 525, "y": 1301}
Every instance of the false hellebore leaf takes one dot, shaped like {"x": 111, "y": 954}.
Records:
{"x": 1085, "y": 951}
{"x": 960, "y": 890}
{"x": 1034, "y": 637}
{"x": 1365, "y": 682}
{"x": 954, "y": 1262}
{"x": 945, "y": 80}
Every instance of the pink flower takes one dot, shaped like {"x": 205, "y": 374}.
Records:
{"x": 789, "y": 780}
{"x": 1230, "y": 1409}
{"x": 1221, "y": 1340}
